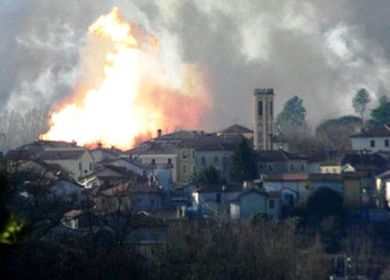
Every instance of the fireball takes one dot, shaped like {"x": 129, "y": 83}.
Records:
{"x": 123, "y": 94}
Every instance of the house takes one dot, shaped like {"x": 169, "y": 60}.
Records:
{"x": 371, "y": 163}
{"x": 103, "y": 154}
{"x": 157, "y": 156}
{"x": 234, "y": 133}
{"x": 78, "y": 162}
{"x": 251, "y": 202}
{"x": 373, "y": 139}
{"x": 131, "y": 196}
{"x": 292, "y": 187}
{"x": 280, "y": 162}
{"x": 210, "y": 200}
{"x": 108, "y": 176}
{"x": 202, "y": 152}
{"x": 40, "y": 169}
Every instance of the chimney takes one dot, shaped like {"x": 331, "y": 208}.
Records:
{"x": 159, "y": 133}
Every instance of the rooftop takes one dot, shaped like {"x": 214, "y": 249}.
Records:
{"x": 236, "y": 129}
{"x": 267, "y": 91}
{"x": 379, "y": 131}
{"x": 61, "y": 154}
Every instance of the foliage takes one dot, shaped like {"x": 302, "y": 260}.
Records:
{"x": 360, "y": 101}
{"x": 243, "y": 162}
{"x": 323, "y": 203}
{"x": 381, "y": 114}
{"x": 292, "y": 116}
{"x": 335, "y": 133}
{"x": 207, "y": 176}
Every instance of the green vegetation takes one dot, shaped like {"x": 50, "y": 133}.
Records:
{"x": 243, "y": 162}
{"x": 207, "y": 176}
{"x": 381, "y": 114}
{"x": 292, "y": 116}
{"x": 360, "y": 101}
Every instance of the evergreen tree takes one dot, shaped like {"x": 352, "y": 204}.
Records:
{"x": 243, "y": 162}
{"x": 360, "y": 101}
{"x": 207, "y": 176}
{"x": 292, "y": 116}
{"x": 381, "y": 114}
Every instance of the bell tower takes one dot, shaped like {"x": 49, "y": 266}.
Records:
{"x": 263, "y": 118}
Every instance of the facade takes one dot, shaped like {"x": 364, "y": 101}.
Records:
{"x": 186, "y": 164}
{"x": 78, "y": 162}
{"x": 293, "y": 188}
{"x": 215, "y": 199}
{"x": 277, "y": 162}
{"x": 373, "y": 139}
{"x": 263, "y": 118}
{"x": 235, "y": 132}
{"x": 159, "y": 157}
{"x": 249, "y": 203}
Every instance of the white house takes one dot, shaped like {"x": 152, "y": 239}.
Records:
{"x": 78, "y": 162}
{"x": 373, "y": 139}
{"x": 158, "y": 158}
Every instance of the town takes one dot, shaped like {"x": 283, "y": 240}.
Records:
{"x": 233, "y": 176}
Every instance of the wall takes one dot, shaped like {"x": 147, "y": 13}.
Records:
{"x": 252, "y": 203}
{"x": 161, "y": 159}
{"x": 221, "y": 160}
{"x": 364, "y": 143}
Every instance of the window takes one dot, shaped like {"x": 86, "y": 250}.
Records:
{"x": 184, "y": 169}
{"x": 80, "y": 166}
{"x": 153, "y": 162}
{"x": 271, "y": 108}
{"x": 203, "y": 161}
{"x": 218, "y": 198}
{"x": 270, "y": 167}
{"x": 216, "y": 159}
{"x": 184, "y": 154}
{"x": 372, "y": 143}
{"x": 386, "y": 142}
{"x": 169, "y": 161}
{"x": 302, "y": 167}
{"x": 271, "y": 203}
{"x": 90, "y": 166}
{"x": 291, "y": 167}
{"x": 260, "y": 108}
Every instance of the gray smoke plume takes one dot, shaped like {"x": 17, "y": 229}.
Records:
{"x": 322, "y": 51}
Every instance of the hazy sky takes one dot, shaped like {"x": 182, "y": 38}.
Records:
{"x": 322, "y": 51}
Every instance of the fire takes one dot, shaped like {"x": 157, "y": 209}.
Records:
{"x": 124, "y": 94}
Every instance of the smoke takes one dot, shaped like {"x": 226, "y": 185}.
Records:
{"x": 323, "y": 51}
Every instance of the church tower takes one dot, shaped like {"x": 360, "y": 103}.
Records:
{"x": 263, "y": 118}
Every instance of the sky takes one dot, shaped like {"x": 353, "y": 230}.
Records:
{"x": 323, "y": 51}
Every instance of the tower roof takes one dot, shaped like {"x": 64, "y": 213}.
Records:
{"x": 264, "y": 91}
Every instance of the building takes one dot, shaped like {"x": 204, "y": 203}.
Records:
{"x": 373, "y": 139}
{"x": 249, "y": 203}
{"x": 276, "y": 162}
{"x": 214, "y": 199}
{"x": 235, "y": 132}
{"x": 78, "y": 162}
{"x": 263, "y": 118}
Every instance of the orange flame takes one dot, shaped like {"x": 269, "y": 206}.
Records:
{"x": 124, "y": 95}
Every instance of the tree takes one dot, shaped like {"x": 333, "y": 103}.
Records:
{"x": 381, "y": 114}
{"x": 207, "y": 176}
{"x": 323, "y": 203}
{"x": 243, "y": 162}
{"x": 360, "y": 101}
{"x": 335, "y": 133}
{"x": 292, "y": 116}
